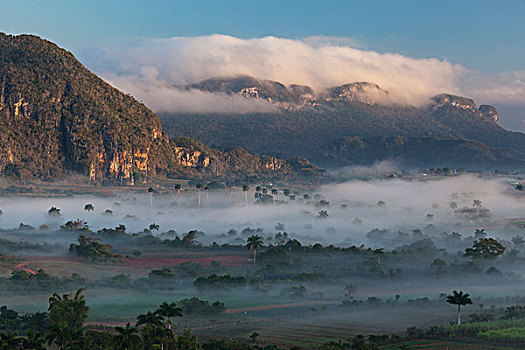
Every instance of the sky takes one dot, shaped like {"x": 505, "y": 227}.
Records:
{"x": 480, "y": 44}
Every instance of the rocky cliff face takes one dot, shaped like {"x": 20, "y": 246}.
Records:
{"x": 358, "y": 92}
{"x": 467, "y": 104}
{"x": 298, "y": 97}
{"x": 237, "y": 161}
{"x": 490, "y": 112}
{"x": 292, "y": 97}
{"x": 56, "y": 118}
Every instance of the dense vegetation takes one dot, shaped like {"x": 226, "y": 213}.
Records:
{"x": 93, "y": 250}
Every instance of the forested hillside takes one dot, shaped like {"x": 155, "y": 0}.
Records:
{"x": 58, "y": 118}
{"x": 320, "y": 127}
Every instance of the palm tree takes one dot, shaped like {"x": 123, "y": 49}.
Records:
{"x": 480, "y": 233}
{"x": 154, "y": 227}
{"x": 151, "y": 190}
{"x": 323, "y": 214}
{"x": 169, "y": 311}
{"x": 34, "y": 341}
{"x": 286, "y": 192}
{"x": 61, "y": 332}
{"x": 245, "y": 189}
{"x": 207, "y": 200}
{"x": 199, "y": 187}
{"x": 459, "y": 299}
{"x": 150, "y": 318}
{"x": 9, "y": 340}
{"x": 126, "y": 338}
{"x": 54, "y": 211}
{"x": 178, "y": 188}
{"x": 476, "y": 203}
{"x": 89, "y": 207}
{"x": 274, "y": 192}
{"x": 254, "y": 242}
{"x": 56, "y": 298}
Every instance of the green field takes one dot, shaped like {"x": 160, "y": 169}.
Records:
{"x": 506, "y": 333}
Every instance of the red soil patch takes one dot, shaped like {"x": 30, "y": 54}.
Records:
{"x": 269, "y": 307}
{"x": 225, "y": 260}
{"x": 23, "y": 267}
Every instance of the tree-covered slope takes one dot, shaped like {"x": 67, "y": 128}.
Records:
{"x": 57, "y": 118}
{"x": 316, "y": 127}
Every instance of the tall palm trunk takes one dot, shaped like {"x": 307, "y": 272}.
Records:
{"x": 254, "y": 256}
{"x": 151, "y": 200}
{"x": 246, "y": 197}
{"x": 199, "y": 199}
{"x": 207, "y": 201}
{"x": 178, "y": 197}
{"x": 459, "y": 314}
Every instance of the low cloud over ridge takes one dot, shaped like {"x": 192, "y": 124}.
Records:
{"x": 149, "y": 69}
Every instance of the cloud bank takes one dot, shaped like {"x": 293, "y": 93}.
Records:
{"x": 151, "y": 68}
{"x": 163, "y": 97}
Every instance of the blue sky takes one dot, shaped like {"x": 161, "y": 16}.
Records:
{"x": 480, "y": 34}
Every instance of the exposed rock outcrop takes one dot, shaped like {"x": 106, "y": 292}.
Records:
{"x": 454, "y": 101}
{"x": 490, "y": 112}
{"x": 358, "y": 92}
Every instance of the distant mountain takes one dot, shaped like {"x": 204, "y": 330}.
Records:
{"x": 356, "y": 123}
{"x": 57, "y": 118}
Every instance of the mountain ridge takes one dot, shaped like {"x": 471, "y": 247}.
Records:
{"x": 310, "y": 124}
{"x": 297, "y": 96}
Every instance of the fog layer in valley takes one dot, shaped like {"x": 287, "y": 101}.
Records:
{"x": 354, "y": 208}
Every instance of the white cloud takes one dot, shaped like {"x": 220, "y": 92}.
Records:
{"x": 507, "y": 88}
{"x": 152, "y": 66}
{"x": 161, "y": 97}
